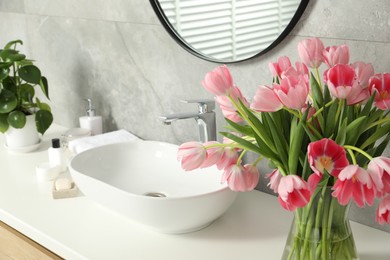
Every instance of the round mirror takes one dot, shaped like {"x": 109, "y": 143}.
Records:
{"x": 228, "y": 31}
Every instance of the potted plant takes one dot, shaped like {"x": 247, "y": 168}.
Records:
{"x": 20, "y": 110}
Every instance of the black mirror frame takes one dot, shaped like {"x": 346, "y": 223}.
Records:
{"x": 172, "y": 32}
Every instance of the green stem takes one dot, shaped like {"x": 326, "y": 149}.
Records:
{"x": 320, "y": 110}
{"x": 318, "y": 78}
{"x": 258, "y": 160}
{"x": 350, "y": 147}
{"x": 293, "y": 112}
{"x": 240, "y": 157}
{"x": 339, "y": 108}
{"x": 352, "y": 156}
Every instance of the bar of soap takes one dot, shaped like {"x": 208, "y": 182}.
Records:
{"x": 63, "y": 184}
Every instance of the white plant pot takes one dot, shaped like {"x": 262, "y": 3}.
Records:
{"x": 25, "y": 139}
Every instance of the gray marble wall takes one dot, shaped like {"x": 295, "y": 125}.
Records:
{"x": 117, "y": 53}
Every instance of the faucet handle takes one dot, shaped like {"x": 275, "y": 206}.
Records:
{"x": 204, "y": 105}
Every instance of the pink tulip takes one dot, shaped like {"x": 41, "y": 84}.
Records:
{"x": 279, "y": 67}
{"x": 336, "y": 55}
{"x": 363, "y": 72}
{"x": 326, "y": 155}
{"x": 265, "y": 100}
{"x": 380, "y": 83}
{"x": 379, "y": 170}
{"x": 354, "y": 182}
{"x": 274, "y": 180}
{"x": 310, "y": 51}
{"x": 228, "y": 109}
{"x": 340, "y": 80}
{"x": 293, "y": 192}
{"x": 241, "y": 178}
{"x": 293, "y": 92}
{"x": 299, "y": 71}
{"x": 313, "y": 181}
{"x": 229, "y": 157}
{"x": 191, "y": 155}
{"x": 383, "y": 212}
{"x": 213, "y": 154}
{"x": 219, "y": 81}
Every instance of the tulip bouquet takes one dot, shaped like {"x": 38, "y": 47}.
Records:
{"x": 323, "y": 136}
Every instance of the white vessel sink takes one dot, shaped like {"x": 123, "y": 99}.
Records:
{"x": 144, "y": 181}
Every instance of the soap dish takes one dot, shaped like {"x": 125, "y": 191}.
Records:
{"x": 65, "y": 193}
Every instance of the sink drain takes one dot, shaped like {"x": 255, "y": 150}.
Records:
{"x": 155, "y": 194}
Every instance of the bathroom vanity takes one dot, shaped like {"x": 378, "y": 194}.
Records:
{"x": 78, "y": 228}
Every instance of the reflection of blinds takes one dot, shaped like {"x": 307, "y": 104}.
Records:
{"x": 229, "y": 29}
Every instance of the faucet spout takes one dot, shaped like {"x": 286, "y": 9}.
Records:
{"x": 205, "y": 118}
{"x": 168, "y": 119}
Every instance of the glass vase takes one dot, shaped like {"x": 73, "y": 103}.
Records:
{"x": 321, "y": 230}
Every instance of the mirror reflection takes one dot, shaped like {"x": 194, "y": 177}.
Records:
{"x": 229, "y": 30}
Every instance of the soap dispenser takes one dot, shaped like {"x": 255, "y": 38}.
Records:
{"x": 91, "y": 121}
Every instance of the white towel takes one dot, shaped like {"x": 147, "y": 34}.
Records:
{"x": 79, "y": 145}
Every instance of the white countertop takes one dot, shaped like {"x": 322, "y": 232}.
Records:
{"x": 78, "y": 228}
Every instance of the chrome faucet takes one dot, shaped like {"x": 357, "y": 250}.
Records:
{"x": 205, "y": 117}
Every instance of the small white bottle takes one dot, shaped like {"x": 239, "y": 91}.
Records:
{"x": 91, "y": 121}
{"x": 57, "y": 155}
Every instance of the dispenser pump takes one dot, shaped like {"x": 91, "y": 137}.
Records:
{"x": 90, "y": 108}
{"x": 91, "y": 121}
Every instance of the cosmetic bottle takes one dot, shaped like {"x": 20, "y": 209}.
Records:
{"x": 57, "y": 155}
{"x": 91, "y": 121}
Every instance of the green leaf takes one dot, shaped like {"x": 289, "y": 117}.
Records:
{"x": 317, "y": 92}
{"x": 3, "y": 123}
{"x": 44, "y": 86}
{"x": 330, "y": 122}
{"x": 354, "y": 130}
{"x": 379, "y": 149}
{"x": 8, "y": 101}
{"x": 43, "y": 120}
{"x": 248, "y": 145}
{"x": 9, "y": 45}
{"x": 277, "y": 137}
{"x": 296, "y": 142}
{"x": 30, "y": 73}
{"x": 9, "y": 84}
{"x": 244, "y": 129}
{"x": 262, "y": 130}
{"x": 368, "y": 106}
{"x": 42, "y": 105}
{"x": 265, "y": 150}
{"x": 4, "y": 72}
{"x": 379, "y": 133}
{"x": 11, "y": 55}
{"x": 17, "y": 119}
{"x": 342, "y": 134}
{"x": 27, "y": 92}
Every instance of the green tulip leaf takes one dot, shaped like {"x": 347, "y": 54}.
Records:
{"x": 30, "y": 73}
{"x": 248, "y": 145}
{"x": 8, "y": 101}
{"x": 3, "y": 123}
{"x": 27, "y": 92}
{"x": 43, "y": 120}
{"x": 16, "y": 119}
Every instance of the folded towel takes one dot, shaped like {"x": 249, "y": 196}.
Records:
{"x": 79, "y": 145}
